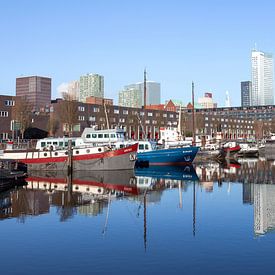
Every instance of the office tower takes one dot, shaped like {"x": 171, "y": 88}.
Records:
{"x": 91, "y": 85}
{"x": 133, "y": 95}
{"x": 246, "y": 90}
{"x": 227, "y": 99}
{"x": 36, "y": 89}
{"x": 73, "y": 89}
{"x": 262, "y": 78}
{"x": 130, "y": 98}
{"x": 207, "y": 101}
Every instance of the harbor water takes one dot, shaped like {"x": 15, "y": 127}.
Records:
{"x": 208, "y": 218}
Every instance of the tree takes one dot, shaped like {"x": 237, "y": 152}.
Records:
{"x": 22, "y": 113}
{"x": 53, "y": 125}
{"x": 68, "y": 113}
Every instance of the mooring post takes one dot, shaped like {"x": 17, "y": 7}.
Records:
{"x": 70, "y": 158}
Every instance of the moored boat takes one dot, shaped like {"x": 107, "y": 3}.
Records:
{"x": 148, "y": 153}
{"x": 83, "y": 158}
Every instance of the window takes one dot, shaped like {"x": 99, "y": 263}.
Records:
{"x": 81, "y": 118}
{"x": 116, "y": 111}
{"x": 88, "y": 136}
{"x": 171, "y": 115}
{"x": 96, "y": 110}
{"x": 81, "y": 108}
{"x": 4, "y": 114}
{"x": 125, "y": 112}
{"x": 150, "y": 114}
{"x": 106, "y": 135}
{"x": 92, "y": 118}
{"x": 9, "y": 102}
{"x": 122, "y": 120}
{"x": 164, "y": 115}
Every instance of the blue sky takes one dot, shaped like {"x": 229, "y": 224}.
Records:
{"x": 208, "y": 42}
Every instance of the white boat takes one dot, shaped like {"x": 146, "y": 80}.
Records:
{"x": 52, "y": 154}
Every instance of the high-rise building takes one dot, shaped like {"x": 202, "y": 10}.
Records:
{"x": 207, "y": 101}
{"x": 130, "y": 98}
{"x": 36, "y": 89}
{"x": 73, "y": 89}
{"x": 246, "y": 90}
{"x": 262, "y": 78}
{"x": 133, "y": 95}
{"x": 91, "y": 85}
{"x": 227, "y": 99}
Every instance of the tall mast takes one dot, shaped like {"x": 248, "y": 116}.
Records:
{"x": 193, "y": 115}
{"x": 144, "y": 88}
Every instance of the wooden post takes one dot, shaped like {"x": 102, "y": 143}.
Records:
{"x": 70, "y": 157}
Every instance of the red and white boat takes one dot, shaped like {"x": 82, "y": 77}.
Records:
{"x": 83, "y": 158}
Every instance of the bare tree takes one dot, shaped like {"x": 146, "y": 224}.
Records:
{"x": 53, "y": 125}
{"x": 69, "y": 112}
{"x": 22, "y": 113}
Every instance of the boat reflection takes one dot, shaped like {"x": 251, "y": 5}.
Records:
{"x": 86, "y": 193}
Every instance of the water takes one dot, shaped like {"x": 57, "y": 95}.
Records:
{"x": 208, "y": 220}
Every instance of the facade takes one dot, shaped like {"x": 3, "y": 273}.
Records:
{"x": 131, "y": 97}
{"x": 6, "y": 105}
{"x": 133, "y": 94}
{"x": 262, "y": 79}
{"x": 91, "y": 85}
{"x": 36, "y": 89}
{"x": 207, "y": 101}
{"x": 73, "y": 89}
{"x": 246, "y": 90}
{"x": 99, "y": 100}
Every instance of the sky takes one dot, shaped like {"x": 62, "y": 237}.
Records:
{"x": 177, "y": 41}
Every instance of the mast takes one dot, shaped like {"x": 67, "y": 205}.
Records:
{"x": 193, "y": 115}
{"x": 144, "y": 88}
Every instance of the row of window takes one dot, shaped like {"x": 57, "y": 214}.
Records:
{"x": 126, "y": 112}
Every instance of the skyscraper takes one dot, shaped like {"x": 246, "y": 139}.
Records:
{"x": 133, "y": 94}
{"x": 246, "y": 89}
{"x": 91, "y": 85}
{"x": 262, "y": 78}
{"x": 36, "y": 89}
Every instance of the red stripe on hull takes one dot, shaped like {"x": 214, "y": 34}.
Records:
{"x": 108, "y": 154}
{"x": 119, "y": 187}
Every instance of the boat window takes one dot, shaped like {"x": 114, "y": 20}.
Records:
{"x": 73, "y": 143}
{"x": 113, "y": 135}
{"x": 55, "y": 143}
{"x": 141, "y": 147}
{"x": 94, "y": 135}
{"x": 99, "y": 149}
{"x": 49, "y": 142}
{"x": 146, "y": 146}
{"x": 88, "y": 151}
{"x": 77, "y": 152}
{"x": 56, "y": 154}
{"x": 60, "y": 143}
{"x": 45, "y": 154}
{"x": 100, "y": 135}
{"x": 66, "y": 153}
{"x": 43, "y": 144}
{"x": 106, "y": 135}
{"x": 66, "y": 143}
{"x": 121, "y": 146}
{"x": 88, "y": 136}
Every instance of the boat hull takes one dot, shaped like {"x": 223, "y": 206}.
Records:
{"x": 86, "y": 158}
{"x": 172, "y": 156}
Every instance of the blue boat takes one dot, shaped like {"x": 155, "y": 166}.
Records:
{"x": 149, "y": 156}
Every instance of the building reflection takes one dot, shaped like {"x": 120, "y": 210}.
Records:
{"x": 90, "y": 193}
{"x": 257, "y": 177}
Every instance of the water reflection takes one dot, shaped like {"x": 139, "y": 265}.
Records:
{"x": 89, "y": 193}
